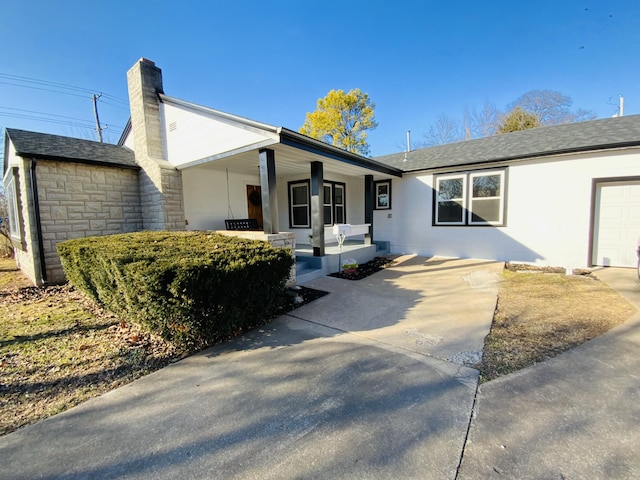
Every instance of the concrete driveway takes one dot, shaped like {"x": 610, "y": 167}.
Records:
{"x": 367, "y": 382}
{"x": 575, "y": 416}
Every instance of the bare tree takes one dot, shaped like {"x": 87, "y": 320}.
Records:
{"x": 484, "y": 122}
{"x": 551, "y": 107}
{"x": 444, "y": 130}
{"x": 532, "y": 109}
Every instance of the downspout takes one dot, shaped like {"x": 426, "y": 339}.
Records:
{"x": 36, "y": 206}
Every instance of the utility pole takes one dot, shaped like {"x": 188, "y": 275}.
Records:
{"x": 95, "y": 111}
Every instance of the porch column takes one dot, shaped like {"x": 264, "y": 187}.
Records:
{"x": 268, "y": 190}
{"x": 317, "y": 209}
{"x": 369, "y": 198}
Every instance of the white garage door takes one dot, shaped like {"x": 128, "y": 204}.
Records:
{"x": 617, "y": 224}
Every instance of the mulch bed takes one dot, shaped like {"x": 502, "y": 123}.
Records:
{"x": 299, "y": 296}
{"x": 365, "y": 269}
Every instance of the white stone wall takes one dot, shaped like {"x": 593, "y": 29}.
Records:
{"x": 78, "y": 200}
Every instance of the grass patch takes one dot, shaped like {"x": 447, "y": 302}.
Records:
{"x": 10, "y": 276}
{"x": 57, "y": 349}
{"x": 541, "y": 315}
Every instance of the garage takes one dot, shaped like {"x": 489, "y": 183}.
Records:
{"x": 616, "y": 227}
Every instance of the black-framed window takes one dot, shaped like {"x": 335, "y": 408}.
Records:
{"x": 383, "y": 195}
{"x": 334, "y": 203}
{"x": 299, "y": 204}
{"x": 474, "y": 198}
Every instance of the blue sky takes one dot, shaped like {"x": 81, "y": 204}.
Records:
{"x": 271, "y": 61}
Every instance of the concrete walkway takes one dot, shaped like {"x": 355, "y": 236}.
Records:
{"x": 576, "y": 416}
{"x": 367, "y": 382}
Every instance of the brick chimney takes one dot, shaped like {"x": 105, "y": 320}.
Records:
{"x": 160, "y": 182}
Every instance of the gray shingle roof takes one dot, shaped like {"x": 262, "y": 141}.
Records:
{"x": 56, "y": 147}
{"x": 538, "y": 142}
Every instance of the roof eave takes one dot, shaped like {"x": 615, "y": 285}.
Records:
{"x": 528, "y": 156}
{"x": 84, "y": 161}
{"x": 5, "y": 159}
{"x": 303, "y": 142}
{"x": 125, "y": 133}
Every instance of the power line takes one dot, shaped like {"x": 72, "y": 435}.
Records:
{"x": 44, "y": 89}
{"x": 43, "y": 113}
{"x": 47, "y": 120}
{"x": 64, "y": 89}
{"x": 44, "y": 82}
{"x": 114, "y": 105}
{"x": 47, "y": 83}
{"x": 86, "y": 124}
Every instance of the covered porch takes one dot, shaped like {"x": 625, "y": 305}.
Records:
{"x": 278, "y": 180}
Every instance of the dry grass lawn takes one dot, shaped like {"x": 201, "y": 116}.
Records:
{"x": 10, "y": 276}
{"x": 541, "y": 315}
{"x": 58, "y": 349}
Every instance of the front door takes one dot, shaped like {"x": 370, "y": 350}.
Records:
{"x": 254, "y": 203}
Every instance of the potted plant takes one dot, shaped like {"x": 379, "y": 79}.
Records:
{"x": 349, "y": 265}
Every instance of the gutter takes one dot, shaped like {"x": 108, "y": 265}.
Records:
{"x": 36, "y": 206}
{"x": 298, "y": 140}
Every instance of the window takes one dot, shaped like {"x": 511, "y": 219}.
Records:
{"x": 299, "y": 204}
{"x": 383, "y": 195}
{"x": 486, "y": 198}
{"x": 328, "y": 204}
{"x": 450, "y": 200}
{"x": 11, "y": 189}
{"x": 334, "y": 207}
{"x": 470, "y": 198}
{"x": 339, "y": 215}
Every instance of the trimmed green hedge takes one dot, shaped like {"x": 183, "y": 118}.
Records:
{"x": 194, "y": 288}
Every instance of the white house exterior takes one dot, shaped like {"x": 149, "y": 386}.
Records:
{"x": 192, "y": 167}
{"x": 569, "y": 196}
{"x": 566, "y": 195}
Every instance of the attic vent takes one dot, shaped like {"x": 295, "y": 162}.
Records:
{"x": 173, "y": 126}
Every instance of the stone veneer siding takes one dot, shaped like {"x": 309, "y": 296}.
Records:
{"x": 27, "y": 255}
{"x": 78, "y": 200}
{"x": 160, "y": 182}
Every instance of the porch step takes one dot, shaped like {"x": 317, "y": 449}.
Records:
{"x": 382, "y": 247}
{"x": 309, "y": 267}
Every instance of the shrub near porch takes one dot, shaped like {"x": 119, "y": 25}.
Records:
{"x": 193, "y": 288}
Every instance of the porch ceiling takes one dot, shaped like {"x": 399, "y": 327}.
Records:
{"x": 290, "y": 161}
